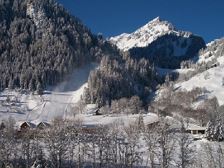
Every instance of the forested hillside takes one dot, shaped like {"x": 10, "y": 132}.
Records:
{"x": 119, "y": 77}
{"x": 133, "y": 72}
{"x": 170, "y": 50}
{"x": 40, "y": 43}
{"x": 69, "y": 98}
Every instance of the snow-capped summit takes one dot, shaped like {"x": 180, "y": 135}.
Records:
{"x": 146, "y": 34}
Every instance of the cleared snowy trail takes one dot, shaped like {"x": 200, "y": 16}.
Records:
{"x": 56, "y": 102}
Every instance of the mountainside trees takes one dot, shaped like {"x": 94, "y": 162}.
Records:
{"x": 119, "y": 77}
{"x": 170, "y": 50}
{"x": 215, "y": 128}
{"x": 40, "y": 43}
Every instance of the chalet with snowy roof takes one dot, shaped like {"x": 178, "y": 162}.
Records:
{"x": 26, "y": 126}
{"x": 195, "y": 129}
{"x": 151, "y": 120}
{"x": 90, "y": 129}
{"x": 43, "y": 125}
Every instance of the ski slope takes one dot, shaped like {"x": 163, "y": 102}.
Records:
{"x": 55, "y": 102}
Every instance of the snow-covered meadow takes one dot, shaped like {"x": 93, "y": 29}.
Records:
{"x": 55, "y": 102}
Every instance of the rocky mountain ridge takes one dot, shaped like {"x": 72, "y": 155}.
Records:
{"x": 161, "y": 43}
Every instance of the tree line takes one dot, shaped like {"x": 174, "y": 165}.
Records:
{"x": 70, "y": 144}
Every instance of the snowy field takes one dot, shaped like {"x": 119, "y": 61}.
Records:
{"x": 58, "y": 102}
{"x": 55, "y": 102}
{"x": 110, "y": 119}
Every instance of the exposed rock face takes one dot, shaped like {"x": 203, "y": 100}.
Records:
{"x": 161, "y": 43}
{"x": 146, "y": 35}
{"x": 170, "y": 50}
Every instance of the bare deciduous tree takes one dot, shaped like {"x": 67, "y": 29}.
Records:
{"x": 186, "y": 153}
{"x": 151, "y": 139}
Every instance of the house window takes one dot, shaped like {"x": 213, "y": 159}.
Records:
{"x": 195, "y": 131}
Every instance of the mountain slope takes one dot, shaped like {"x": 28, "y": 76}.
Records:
{"x": 209, "y": 72}
{"x": 161, "y": 43}
{"x": 59, "y": 101}
{"x": 145, "y": 35}
{"x": 157, "y": 44}
{"x": 41, "y": 43}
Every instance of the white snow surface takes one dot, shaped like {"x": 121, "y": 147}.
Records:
{"x": 164, "y": 71}
{"x": 110, "y": 119}
{"x": 211, "y": 80}
{"x": 55, "y": 102}
{"x": 146, "y": 35}
{"x": 211, "y": 52}
{"x": 58, "y": 101}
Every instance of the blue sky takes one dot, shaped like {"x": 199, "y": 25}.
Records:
{"x": 113, "y": 17}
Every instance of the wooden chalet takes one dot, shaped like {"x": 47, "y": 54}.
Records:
{"x": 43, "y": 125}
{"x": 26, "y": 126}
{"x": 195, "y": 129}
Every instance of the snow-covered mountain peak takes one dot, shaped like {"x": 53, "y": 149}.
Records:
{"x": 156, "y": 25}
{"x": 146, "y": 34}
{"x": 156, "y": 19}
{"x": 159, "y": 22}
